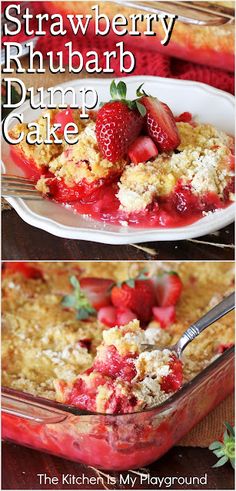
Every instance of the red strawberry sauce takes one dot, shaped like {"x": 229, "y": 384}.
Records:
{"x": 179, "y": 209}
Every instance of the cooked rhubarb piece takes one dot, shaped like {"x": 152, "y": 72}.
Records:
{"x": 142, "y": 149}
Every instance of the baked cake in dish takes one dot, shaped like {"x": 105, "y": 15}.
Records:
{"x": 73, "y": 332}
{"x": 134, "y": 163}
{"x": 209, "y": 45}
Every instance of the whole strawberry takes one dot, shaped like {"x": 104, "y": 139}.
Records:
{"x": 136, "y": 295}
{"x": 118, "y": 124}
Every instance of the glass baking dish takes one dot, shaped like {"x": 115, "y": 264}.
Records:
{"x": 207, "y": 45}
{"x": 115, "y": 442}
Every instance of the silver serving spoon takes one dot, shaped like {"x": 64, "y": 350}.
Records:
{"x": 199, "y": 326}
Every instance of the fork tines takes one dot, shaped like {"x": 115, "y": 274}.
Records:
{"x": 20, "y": 187}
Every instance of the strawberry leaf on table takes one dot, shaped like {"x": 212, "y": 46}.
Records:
{"x": 78, "y": 301}
{"x": 225, "y": 450}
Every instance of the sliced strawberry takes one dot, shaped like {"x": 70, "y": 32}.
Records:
{"x": 173, "y": 381}
{"x": 185, "y": 117}
{"x": 124, "y": 316}
{"x": 142, "y": 150}
{"x": 22, "y": 268}
{"x": 63, "y": 118}
{"x": 111, "y": 316}
{"x": 117, "y": 126}
{"x": 165, "y": 315}
{"x": 139, "y": 298}
{"x": 161, "y": 125}
{"x": 168, "y": 289}
{"x": 107, "y": 316}
{"x": 97, "y": 290}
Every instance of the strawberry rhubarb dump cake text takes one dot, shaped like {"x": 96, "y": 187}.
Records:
{"x": 134, "y": 163}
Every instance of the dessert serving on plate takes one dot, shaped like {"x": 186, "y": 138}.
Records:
{"x": 134, "y": 163}
{"x": 72, "y": 343}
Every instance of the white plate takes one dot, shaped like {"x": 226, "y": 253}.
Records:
{"x": 208, "y": 105}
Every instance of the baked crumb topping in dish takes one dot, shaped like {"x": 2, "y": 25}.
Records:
{"x": 73, "y": 332}
{"x": 123, "y": 378}
{"x": 134, "y": 163}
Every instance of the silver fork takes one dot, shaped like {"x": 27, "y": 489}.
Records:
{"x": 199, "y": 326}
{"x": 19, "y": 187}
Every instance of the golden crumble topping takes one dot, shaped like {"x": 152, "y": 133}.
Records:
{"x": 83, "y": 160}
{"x": 202, "y": 160}
{"x": 43, "y": 153}
{"x": 41, "y": 339}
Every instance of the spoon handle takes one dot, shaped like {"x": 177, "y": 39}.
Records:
{"x": 206, "y": 320}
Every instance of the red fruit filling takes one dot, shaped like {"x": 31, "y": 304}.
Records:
{"x": 142, "y": 150}
{"x": 120, "y": 404}
{"x": 22, "y": 268}
{"x": 99, "y": 201}
{"x": 223, "y": 347}
{"x": 112, "y": 364}
{"x": 173, "y": 381}
{"x": 83, "y": 393}
{"x": 185, "y": 117}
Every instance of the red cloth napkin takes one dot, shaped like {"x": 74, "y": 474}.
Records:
{"x": 147, "y": 62}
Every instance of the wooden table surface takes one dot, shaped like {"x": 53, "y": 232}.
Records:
{"x": 22, "y": 241}
{"x": 21, "y": 466}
